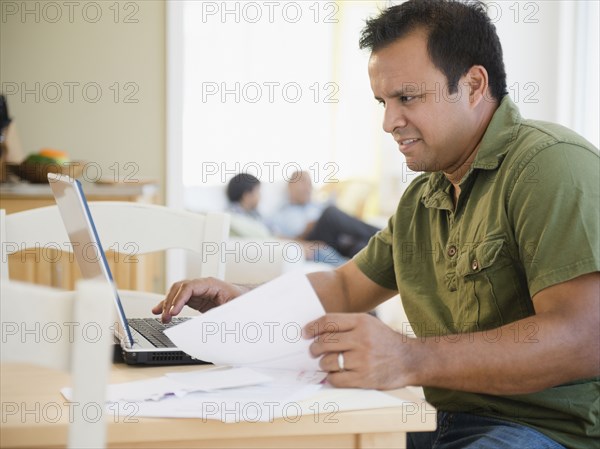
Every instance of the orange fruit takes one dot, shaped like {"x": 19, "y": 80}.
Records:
{"x": 54, "y": 154}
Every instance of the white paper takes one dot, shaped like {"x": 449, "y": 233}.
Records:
{"x": 180, "y": 384}
{"x": 282, "y": 396}
{"x": 264, "y": 403}
{"x": 219, "y": 378}
{"x": 252, "y": 404}
{"x": 260, "y": 328}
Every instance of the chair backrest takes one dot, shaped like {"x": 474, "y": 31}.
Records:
{"x": 124, "y": 227}
{"x": 68, "y": 331}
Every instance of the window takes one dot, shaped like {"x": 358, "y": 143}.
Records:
{"x": 270, "y": 87}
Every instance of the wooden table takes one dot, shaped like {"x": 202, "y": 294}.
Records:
{"x": 34, "y": 414}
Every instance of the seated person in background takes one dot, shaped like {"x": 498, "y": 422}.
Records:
{"x": 243, "y": 192}
{"x": 303, "y": 219}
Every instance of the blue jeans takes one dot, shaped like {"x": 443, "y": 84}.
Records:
{"x": 466, "y": 431}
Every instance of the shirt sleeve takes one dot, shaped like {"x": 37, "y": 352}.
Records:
{"x": 376, "y": 259}
{"x": 554, "y": 205}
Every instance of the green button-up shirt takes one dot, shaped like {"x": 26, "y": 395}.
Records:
{"x": 527, "y": 218}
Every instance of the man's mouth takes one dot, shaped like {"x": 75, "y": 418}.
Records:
{"x": 405, "y": 144}
{"x": 407, "y": 141}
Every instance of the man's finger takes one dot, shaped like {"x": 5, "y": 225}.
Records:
{"x": 181, "y": 298}
{"x": 343, "y": 379}
{"x": 334, "y": 344}
{"x": 158, "y": 308}
{"x": 331, "y": 362}
{"x": 170, "y": 301}
{"x": 329, "y": 324}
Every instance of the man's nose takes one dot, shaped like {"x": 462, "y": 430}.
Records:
{"x": 393, "y": 118}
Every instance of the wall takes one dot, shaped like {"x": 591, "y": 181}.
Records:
{"x": 551, "y": 56}
{"x": 89, "y": 78}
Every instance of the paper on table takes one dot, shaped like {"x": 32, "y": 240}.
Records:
{"x": 180, "y": 384}
{"x": 254, "y": 403}
{"x": 282, "y": 397}
{"x": 219, "y": 378}
{"x": 266, "y": 403}
{"x": 260, "y": 328}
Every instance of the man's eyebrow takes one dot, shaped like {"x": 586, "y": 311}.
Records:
{"x": 401, "y": 93}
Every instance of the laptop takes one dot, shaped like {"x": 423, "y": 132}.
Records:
{"x": 141, "y": 340}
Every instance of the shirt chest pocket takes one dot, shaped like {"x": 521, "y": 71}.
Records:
{"x": 490, "y": 291}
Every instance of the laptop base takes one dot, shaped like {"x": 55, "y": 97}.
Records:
{"x": 175, "y": 357}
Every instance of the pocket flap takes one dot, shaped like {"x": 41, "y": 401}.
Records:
{"x": 478, "y": 257}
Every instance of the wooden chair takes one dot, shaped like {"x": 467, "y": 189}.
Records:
{"x": 68, "y": 331}
{"x": 130, "y": 229}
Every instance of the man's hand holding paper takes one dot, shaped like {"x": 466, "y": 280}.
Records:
{"x": 262, "y": 328}
{"x": 373, "y": 355}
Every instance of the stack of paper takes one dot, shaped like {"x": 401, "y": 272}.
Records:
{"x": 265, "y": 370}
{"x": 275, "y": 398}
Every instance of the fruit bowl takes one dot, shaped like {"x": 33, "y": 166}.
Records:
{"x": 36, "y": 172}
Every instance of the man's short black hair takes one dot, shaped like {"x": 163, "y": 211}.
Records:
{"x": 460, "y": 35}
{"x": 240, "y": 184}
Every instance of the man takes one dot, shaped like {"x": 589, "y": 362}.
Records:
{"x": 243, "y": 193}
{"x": 303, "y": 219}
{"x": 297, "y": 216}
{"x": 494, "y": 249}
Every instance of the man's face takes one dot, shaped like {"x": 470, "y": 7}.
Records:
{"x": 434, "y": 129}
{"x": 251, "y": 199}
{"x": 300, "y": 189}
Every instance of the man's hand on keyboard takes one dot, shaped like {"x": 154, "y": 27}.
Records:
{"x": 200, "y": 294}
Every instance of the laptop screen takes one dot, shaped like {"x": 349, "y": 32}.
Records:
{"x": 82, "y": 232}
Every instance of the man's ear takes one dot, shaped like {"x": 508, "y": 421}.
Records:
{"x": 478, "y": 82}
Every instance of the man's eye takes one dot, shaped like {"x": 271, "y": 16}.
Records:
{"x": 381, "y": 102}
{"x": 406, "y": 98}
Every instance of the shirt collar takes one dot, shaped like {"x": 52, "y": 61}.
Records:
{"x": 497, "y": 139}
{"x": 499, "y": 136}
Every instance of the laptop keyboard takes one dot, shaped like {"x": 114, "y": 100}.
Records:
{"x": 152, "y": 329}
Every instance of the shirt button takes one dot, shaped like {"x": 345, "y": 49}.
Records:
{"x": 475, "y": 265}
{"x": 452, "y": 251}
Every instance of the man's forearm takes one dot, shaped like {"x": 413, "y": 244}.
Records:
{"x": 522, "y": 357}
{"x": 331, "y": 290}
{"x": 347, "y": 290}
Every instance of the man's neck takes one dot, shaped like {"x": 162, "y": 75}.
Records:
{"x": 456, "y": 176}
